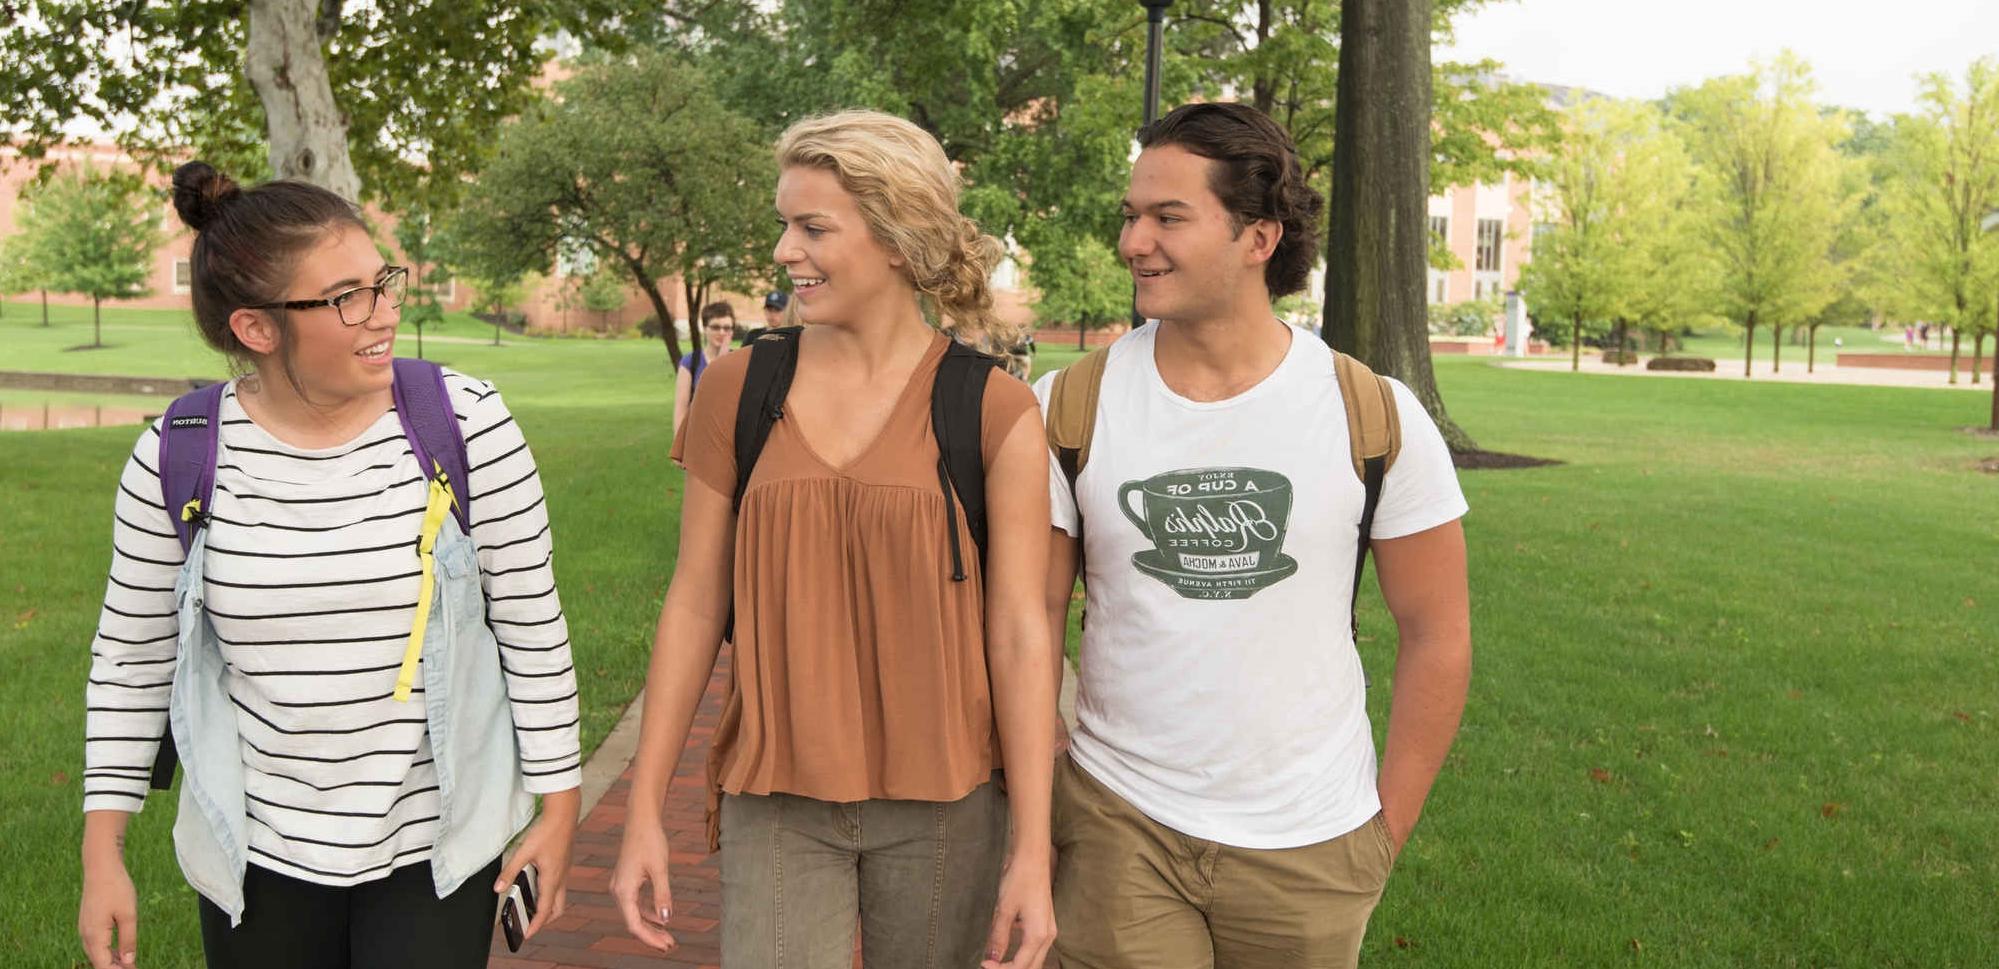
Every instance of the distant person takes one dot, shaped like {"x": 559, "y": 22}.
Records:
{"x": 718, "y": 333}
{"x": 777, "y": 305}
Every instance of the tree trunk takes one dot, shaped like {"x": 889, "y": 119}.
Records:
{"x": 1994, "y": 426}
{"x": 1623, "y": 344}
{"x": 650, "y": 287}
{"x": 45, "y": 307}
{"x": 1953, "y": 354}
{"x": 1377, "y": 248}
{"x": 1575, "y": 344}
{"x": 1977, "y": 354}
{"x": 97, "y": 327}
{"x": 1811, "y": 347}
{"x": 285, "y": 62}
{"x": 1082, "y": 329}
{"x": 1776, "y": 347}
{"x": 1748, "y": 344}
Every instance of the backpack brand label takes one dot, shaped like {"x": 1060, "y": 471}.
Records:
{"x": 197, "y": 421}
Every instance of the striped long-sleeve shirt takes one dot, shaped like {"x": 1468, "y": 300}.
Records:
{"x": 311, "y": 582}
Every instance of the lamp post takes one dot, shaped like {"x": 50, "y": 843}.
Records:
{"x": 1155, "y": 37}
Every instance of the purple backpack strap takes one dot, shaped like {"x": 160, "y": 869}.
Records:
{"x": 423, "y": 404}
{"x": 188, "y": 437}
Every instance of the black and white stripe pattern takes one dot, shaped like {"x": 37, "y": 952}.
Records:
{"x": 312, "y": 582}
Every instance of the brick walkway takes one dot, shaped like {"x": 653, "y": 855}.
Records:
{"x": 591, "y": 934}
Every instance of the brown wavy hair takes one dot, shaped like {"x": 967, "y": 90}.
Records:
{"x": 1256, "y": 174}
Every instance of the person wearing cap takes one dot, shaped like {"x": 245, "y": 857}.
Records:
{"x": 775, "y": 303}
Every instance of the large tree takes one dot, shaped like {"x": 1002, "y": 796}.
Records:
{"x": 1773, "y": 196}
{"x": 1617, "y": 249}
{"x": 1378, "y": 250}
{"x": 389, "y": 102}
{"x": 635, "y": 163}
{"x": 1942, "y": 169}
{"x": 94, "y": 233}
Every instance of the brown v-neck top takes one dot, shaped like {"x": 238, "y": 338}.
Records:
{"x": 860, "y": 667}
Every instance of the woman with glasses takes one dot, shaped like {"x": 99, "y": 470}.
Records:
{"x": 341, "y": 821}
{"x": 718, "y": 333}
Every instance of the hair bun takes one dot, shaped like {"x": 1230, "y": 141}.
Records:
{"x": 200, "y": 192}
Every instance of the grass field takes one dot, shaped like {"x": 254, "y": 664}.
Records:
{"x": 1736, "y": 699}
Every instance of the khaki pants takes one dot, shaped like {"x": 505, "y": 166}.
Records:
{"x": 1131, "y": 893}
{"x": 920, "y": 877}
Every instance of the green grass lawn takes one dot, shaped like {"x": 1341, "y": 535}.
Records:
{"x": 1736, "y": 699}
{"x": 1725, "y": 346}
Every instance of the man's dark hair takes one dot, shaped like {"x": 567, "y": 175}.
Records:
{"x": 718, "y": 310}
{"x": 1256, "y": 174}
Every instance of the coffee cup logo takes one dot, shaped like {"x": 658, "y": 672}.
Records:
{"x": 1217, "y": 533}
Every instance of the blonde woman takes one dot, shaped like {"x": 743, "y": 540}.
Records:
{"x": 885, "y": 680}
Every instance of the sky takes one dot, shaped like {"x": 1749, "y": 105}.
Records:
{"x": 1864, "y": 53}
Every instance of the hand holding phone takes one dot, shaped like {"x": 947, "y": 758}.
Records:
{"x": 517, "y": 909}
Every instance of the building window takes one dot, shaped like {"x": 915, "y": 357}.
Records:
{"x": 183, "y": 277}
{"x": 1440, "y": 288}
{"x": 1440, "y": 228}
{"x": 1489, "y": 231}
{"x": 445, "y": 290}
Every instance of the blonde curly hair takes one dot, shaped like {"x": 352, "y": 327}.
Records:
{"x": 907, "y": 190}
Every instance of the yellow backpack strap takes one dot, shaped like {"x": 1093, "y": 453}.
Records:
{"x": 435, "y": 511}
{"x": 1373, "y": 425}
{"x": 1072, "y": 411}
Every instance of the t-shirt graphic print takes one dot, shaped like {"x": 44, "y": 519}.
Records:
{"x": 1216, "y": 533}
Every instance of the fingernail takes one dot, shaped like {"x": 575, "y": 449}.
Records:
{"x": 665, "y": 912}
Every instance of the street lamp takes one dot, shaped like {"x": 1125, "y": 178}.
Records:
{"x": 1155, "y": 39}
{"x": 1155, "y": 36}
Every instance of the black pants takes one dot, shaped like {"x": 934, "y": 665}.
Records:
{"x": 389, "y": 923}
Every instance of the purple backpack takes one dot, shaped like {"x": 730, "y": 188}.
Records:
{"x": 188, "y": 448}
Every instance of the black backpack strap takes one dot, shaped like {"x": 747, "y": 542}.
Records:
{"x": 957, "y": 412}
{"x": 1371, "y": 479}
{"x": 773, "y": 361}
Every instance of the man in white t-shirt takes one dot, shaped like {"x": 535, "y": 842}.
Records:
{"x": 1221, "y": 804}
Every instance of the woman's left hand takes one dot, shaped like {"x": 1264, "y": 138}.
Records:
{"x": 1025, "y": 902}
{"x": 546, "y": 845}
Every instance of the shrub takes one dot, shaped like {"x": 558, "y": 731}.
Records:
{"x": 1472, "y": 317}
{"x": 1680, "y": 363}
{"x": 1621, "y": 357}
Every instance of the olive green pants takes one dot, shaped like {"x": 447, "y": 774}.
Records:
{"x": 920, "y": 878}
{"x": 1131, "y": 893}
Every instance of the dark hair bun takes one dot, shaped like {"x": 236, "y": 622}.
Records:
{"x": 200, "y": 192}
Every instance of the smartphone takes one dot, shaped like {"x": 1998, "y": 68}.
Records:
{"x": 518, "y": 907}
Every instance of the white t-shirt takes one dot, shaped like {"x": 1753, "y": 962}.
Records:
{"x": 1220, "y": 691}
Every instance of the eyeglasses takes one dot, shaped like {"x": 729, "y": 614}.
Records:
{"x": 718, "y": 327}
{"x": 355, "y": 306}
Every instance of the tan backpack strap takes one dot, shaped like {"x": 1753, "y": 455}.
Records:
{"x": 1374, "y": 427}
{"x": 1072, "y": 411}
